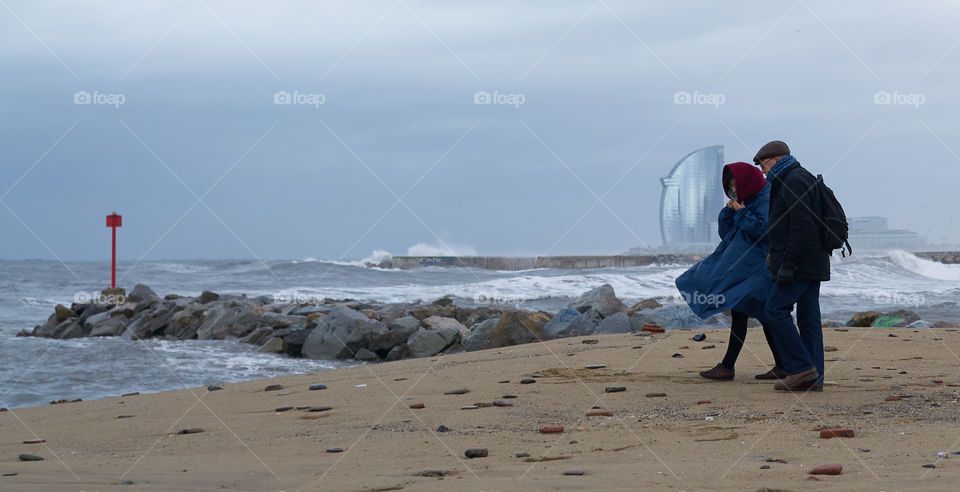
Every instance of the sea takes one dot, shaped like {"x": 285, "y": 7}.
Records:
{"x": 35, "y": 371}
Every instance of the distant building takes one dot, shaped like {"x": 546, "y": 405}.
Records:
{"x": 691, "y": 201}
{"x": 872, "y": 234}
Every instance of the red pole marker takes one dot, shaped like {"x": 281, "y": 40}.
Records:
{"x": 114, "y": 221}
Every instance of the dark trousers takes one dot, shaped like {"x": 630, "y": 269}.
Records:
{"x": 738, "y": 333}
{"x": 798, "y": 350}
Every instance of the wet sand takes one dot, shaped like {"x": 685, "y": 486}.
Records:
{"x": 669, "y": 442}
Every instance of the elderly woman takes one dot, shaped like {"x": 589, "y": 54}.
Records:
{"x": 735, "y": 275}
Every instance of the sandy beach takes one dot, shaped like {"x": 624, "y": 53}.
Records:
{"x": 669, "y": 429}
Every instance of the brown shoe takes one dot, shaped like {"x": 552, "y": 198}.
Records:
{"x": 718, "y": 373}
{"x": 810, "y": 386}
{"x": 775, "y": 373}
{"x": 794, "y": 382}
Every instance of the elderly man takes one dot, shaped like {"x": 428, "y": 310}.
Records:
{"x": 799, "y": 262}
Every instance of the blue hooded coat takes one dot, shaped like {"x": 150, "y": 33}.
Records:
{"x": 735, "y": 275}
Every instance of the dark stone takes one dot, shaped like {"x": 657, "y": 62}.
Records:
{"x": 30, "y": 457}
{"x": 63, "y": 313}
{"x": 283, "y": 409}
{"x": 476, "y": 453}
{"x": 614, "y": 389}
{"x": 315, "y": 387}
{"x": 144, "y": 297}
{"x": 334, "y": 450}
{"x": 293, "y": 342}
{"x": 431, "y": 473}
{"x": 479, "y": 334}
{"x": 195, "y": 430}
{"x": 443, "y": 428}
{"x": 528, "y": 381}
{"x": 206, "y": 297}
{"x": 214, "y": 387}
{"x": 273, "y": 387}
{"x": 457, "y": 391}
{"x": 443, "y": 302}
{"x": 699, "y": 337}
{"x": 863, "y": 319}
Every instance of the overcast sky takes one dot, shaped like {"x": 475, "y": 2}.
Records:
{"x": 184, "y": 137}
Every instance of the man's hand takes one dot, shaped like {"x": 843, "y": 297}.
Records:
{"x": 785, "y": 277}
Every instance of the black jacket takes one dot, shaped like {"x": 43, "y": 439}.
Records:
{"x": 794, "y": 228}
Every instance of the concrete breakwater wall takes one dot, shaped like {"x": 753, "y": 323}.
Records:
{"x": 528, "y": 263}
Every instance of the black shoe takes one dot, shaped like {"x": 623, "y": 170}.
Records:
{"x": 718, "y": 373}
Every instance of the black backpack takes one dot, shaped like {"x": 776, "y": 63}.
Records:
{"x": 833, "y": 223}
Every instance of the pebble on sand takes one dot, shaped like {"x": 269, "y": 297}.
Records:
{"x": 214, "y": 387}
{"x": 929, "y": 465}
{"x": 596, "y": 366}
{"x": 590, "y": 341}
{"x": 135, "y": 393}
{"x": 194, "y": 430}
{"x": 892, "y": 398}
{"x": 315, "y": 387}
{"x": 509, "y": 396}
{"x": 443, "y": 428}
{"x": 551, "y": 429}
{"x": 831, "y": 469}
{"x": 699, "y": 337}
{"x": 502, "y": 403}
{"x": 416, "y": 405}
{"x": 596, "y": 412}
{"x": 34, "y": 441}
{"x": 469, "y": 407}
{"x": 829, "y": 433}
{"x": 320, "y": 409}
{"x": 677, "y": 356}
{"x": 829, "y": 348}
{"x": 528, "y": 381}
{"x": 652, "y": 328}
{"x": 457, "y": 391}
{"x": 30, "y": 457}
{"x": 476, "y": 453}
{"x": 521, "y": 454}
{"x": 335, "y": 450}
{"x": 655, "y": 395}
{"x": 573, "y": 471}
{"x": 283, "y": 409}
{"x": 614, "y": 389}
{"x": 431, "y": 473}
{"x": 704, "y": 402}
{"x": 273, "y": 387}
{"x": 483, "y": 404}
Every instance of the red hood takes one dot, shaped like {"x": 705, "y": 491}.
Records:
{"x": 749, "y": 180}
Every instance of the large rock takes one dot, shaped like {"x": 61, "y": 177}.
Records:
{"x": 439, "y": 323}
{"x": 221, "y": 321}
{"x": 863, "y": 319}
{"x": 106, "y": 324}
{"x": 477, "y": 338}
{"x": 341, "y": 333}
{"x": 896, "y": 319}
{"x": 425, "y": 343}
{"x": 150, "y": 323}
{"x": 515, "y": 328}
{"x": 676, "y": 317}
{"x": 293, "y": 342}
{"x": 644, "y": 304}
{"x": 615, "y": 323}
{"x": 63, "y": 313}
{"x": 273, "y": 346}
{"x": 602, "y": 299}
{"x": 144, "y": 297}
{"x": 398, "y": 332}
{"x": 206, "y": 297}
{"x": 70, "y": 328}
{"x": 257, "y": 335}
{"x": 571, "y": 323}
